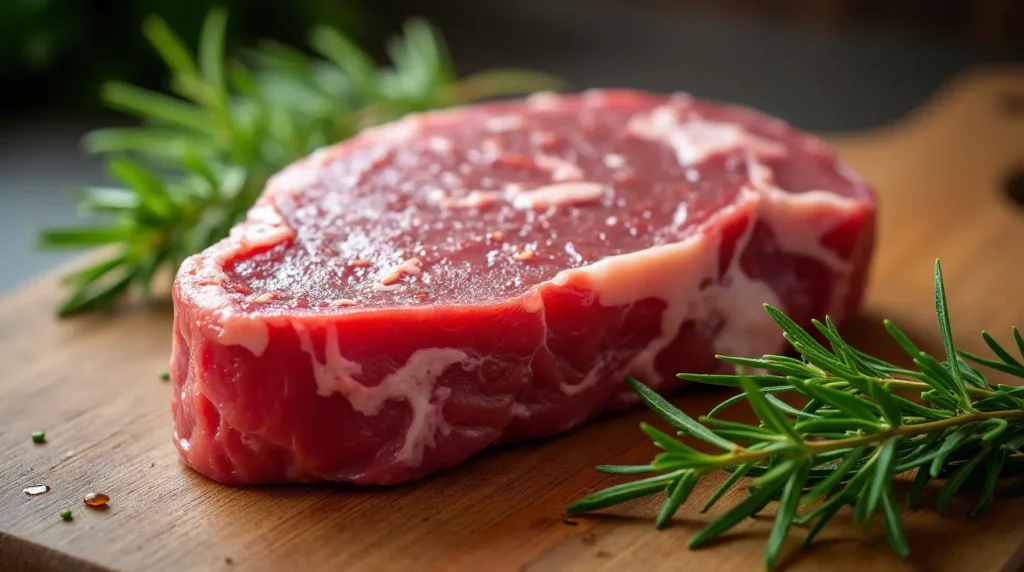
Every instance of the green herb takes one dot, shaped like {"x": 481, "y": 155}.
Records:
{"x": 845, "y": 446}
{"x": 39, "y": 436}
{"x": 65, "y": 514}
{"x": 205, "y": 151}
{"x": 165, "y": 375}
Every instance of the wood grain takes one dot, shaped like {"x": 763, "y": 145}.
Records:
{"x": 92, "y": 384}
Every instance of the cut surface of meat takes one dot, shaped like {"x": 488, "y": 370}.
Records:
{"x": 397, "y": 302}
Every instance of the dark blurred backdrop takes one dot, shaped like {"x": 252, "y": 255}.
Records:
{"x": 824, "y": 65}
{"x": 57, "y": 52}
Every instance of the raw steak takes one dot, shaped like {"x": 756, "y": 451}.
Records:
{"x": 397, "y": 302}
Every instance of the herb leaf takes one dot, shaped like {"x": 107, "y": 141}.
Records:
{"x": 677, "y": 418}
{"x": 847, "y": 442}
{"x": 748, "y": 507}
{"x": 787, "y": 511}
{"x": 944, "y": 328}
{"x": 621, "y": 493}
{"x": 678, "y": 493}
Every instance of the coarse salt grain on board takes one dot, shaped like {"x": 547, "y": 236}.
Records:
{"x": 493, "y": 273}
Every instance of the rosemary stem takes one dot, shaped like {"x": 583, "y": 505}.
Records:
{"x": 913, "y": 429}
{"x": 912, "y": 385}
{"x": 845, "y": 446}
{"x": 919, "y": 385}
{"x": 744, "y": 456}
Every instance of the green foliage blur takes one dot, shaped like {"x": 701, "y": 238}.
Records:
{"x": 61, "y": 51}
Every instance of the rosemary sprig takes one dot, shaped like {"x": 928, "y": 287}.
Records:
{"x": 849, "y": 440}
{"x": 205, "y": 151}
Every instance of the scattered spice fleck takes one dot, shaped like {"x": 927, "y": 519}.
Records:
{"x": 560, "y": 169}
{"x": 523, "y": 255}
{"x": 602, "y": 554}
{"x": 422, "y": 295}
{"x": 544, "y": 139}
{"x": 264, "y": 298}
{"x": 229, "y": 561}
{"x": 359, "y": 263}
{"x": 497, "y": 236}
{"x": 96, "y": 499}
{"x": 66, "y": 514}
{"x": 36, "y": 490}
{"x": 165, "y": 375}
{"x": 569, "y": 521}
{"x": 39, "y": 436}
{"x": 514, "y": 160}
{"x": 151, "y": 465}
{"x": 624, "y": 176}
{"x": 410, "y": 267}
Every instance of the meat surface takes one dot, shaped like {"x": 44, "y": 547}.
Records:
{"x": 397, "y": 302}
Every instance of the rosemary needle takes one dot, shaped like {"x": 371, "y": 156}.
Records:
{"x": 848, "y": 443}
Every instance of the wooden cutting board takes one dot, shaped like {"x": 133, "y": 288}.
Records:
{"x": 92, "y": 384}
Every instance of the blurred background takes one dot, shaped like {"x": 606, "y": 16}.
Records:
{"x": 823, "y": 65}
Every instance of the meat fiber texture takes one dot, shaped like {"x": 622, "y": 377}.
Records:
{"x": 397, "y": 302}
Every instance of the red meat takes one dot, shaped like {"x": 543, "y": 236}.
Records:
{"x": 397, "y": 302}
